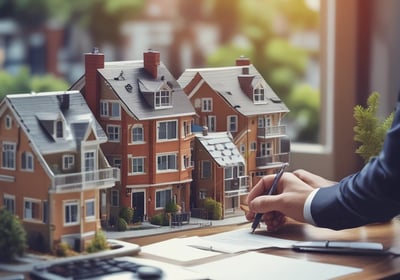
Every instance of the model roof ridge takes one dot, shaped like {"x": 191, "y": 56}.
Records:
{"x": 45, "y": 93}
{"x": 218, "y": 68}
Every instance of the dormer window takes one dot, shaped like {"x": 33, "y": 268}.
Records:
{"x": 162, "y": 98}
{"x": 259, "y": 94}
{"x": 59, "y": 129}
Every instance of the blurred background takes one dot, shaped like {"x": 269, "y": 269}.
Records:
{"x": 42, "y": 43}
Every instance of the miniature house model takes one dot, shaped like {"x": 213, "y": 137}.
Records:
{"x": 53, "y": 171}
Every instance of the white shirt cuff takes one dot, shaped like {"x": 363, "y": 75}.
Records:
{"x": 307, "y": 207}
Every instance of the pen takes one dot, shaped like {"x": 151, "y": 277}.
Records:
{"x": 271, "y": 191}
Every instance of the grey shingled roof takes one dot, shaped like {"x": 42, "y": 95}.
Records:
{"x": 36, "y": 112}
{"x": 138, "y": 79}
{"x": 221, "y": 148}
{"x": 225, "y": 82}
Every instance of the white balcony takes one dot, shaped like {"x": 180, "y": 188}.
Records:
{"x": 98, "y": 179}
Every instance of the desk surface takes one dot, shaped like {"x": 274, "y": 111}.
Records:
{"x": 374, "y": 267}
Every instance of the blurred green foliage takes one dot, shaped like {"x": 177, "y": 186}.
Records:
{"x": 24, "y": 82}
{"x": 369, "y": 130}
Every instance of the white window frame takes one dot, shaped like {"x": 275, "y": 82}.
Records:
{"x": 162, "y": 98}
{"x": 207, "y": 104}
{"x": 67, "y": 208}
{"x": 115, "y": 110}
{"x": 164, "y": 200}
{"x": 68, "y": 162}
{"x": 212, "y": 123}
{"x": 132, "y": 165}
{"x": 27, "y": 160}
{"x": 166, "y": 159}
{"x": 59, "y": 129}
{"x": 115, "y": 132}
{"x": 133, "y": 134}
{"x": 169, "y": 135}
{"x": 206, "y": 169}
{"x": 228, "y": 172}
{"x": 232, "y": 123}
{"x": 104, "y": 112}
{"x": 90, "y": 209}
{"x": 8, "y": 156}
{"x": 259, "y": 94}
{"x": 29, "y": 214}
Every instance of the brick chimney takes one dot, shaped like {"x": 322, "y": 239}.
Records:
{"x": 93, "y": 61}
{"x": 245, "y": 62}
{"x": 151, "y": 61}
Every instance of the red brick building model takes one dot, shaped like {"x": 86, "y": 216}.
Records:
{"x": 53, "y": 172}
{"x": 237, "y": 99}
{"x": 148, "y": 120}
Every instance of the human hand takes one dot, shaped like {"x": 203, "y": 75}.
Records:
{"x": 292, "y": 193}
{"x": 313, "y": 180}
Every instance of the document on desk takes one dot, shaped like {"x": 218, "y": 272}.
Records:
{"x": 240, "y": 240}
{"x": 254, "y": 266}
{"x": 178, "y": 250}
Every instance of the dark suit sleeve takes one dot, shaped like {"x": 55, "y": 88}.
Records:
{"x": 370, "y": 195}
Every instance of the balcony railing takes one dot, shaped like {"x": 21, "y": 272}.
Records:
{"x": 271, "y": 131}
{"x": 98, "y": 179}
{"x": 237, "y": 186}
{"x": 271, "y": 160}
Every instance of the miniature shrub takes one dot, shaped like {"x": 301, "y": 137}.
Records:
{"x": 98, "y": 243}
{"x": 213, "y": 208}
{"x": 12, "y": 236}
{"x": 160, "y": 220}
{"x": 63, "y": 250}
{"x": 126, "y": 213}
{"x": 122, "y": 225}
{"x": 171, "y": 207}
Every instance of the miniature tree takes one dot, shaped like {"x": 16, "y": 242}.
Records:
{"x": 369, "y": 130}
{"x": 12, "y": 236}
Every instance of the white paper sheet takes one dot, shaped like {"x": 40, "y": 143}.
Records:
{"x": 254, "y": 266}
{"x": 238, "y": 241}
{"x": 177, "y": 249}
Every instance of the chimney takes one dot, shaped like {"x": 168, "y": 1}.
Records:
{"x": 245, "y": 62}
{"x": 93, "y": 61}
{"x": 205, "y": 131}
{"x": 151, "y": 61}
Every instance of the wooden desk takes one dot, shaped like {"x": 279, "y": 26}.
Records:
{"x": 374, "y": 267}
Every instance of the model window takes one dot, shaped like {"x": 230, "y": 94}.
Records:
{"x": 31, "y": 209}
{"x": 163, "y": 98}
{"x": 115, "y": 198}
{"x": 103, "y": 108}
{"x": 137, "y": 165}
{"x": 27, "y": 161}
{"x": 116, "y": 162}
{"x": 71, "y": 213}
{"x": 202, "y": 194}
{"x": 9, "y": 203}
{"x": 212, "y": 123}
{"x": 59, "y": 129}
{"x": 259, "y": 95}
{"x": 113, "y": 132}
{"x": 253, "y": 146}
{"x": 206, "y": 105}
{"x": 187, "y": 128}
{"x": 163, "y": 197}
{"x": 8, "y": 122}
{"x": 137, "y": 134}
{"x": 205, "y": 169}
{"x": 167, "y": 130}
{"x": 232, "y": 123}
{"x": 8, "y": 156}
{"x": 186, "y": 160}
{"x": 115, "y": 110}
{"x": 166, "y": 162}
{"x": 90, "y": 209}
{"x": 68, "y": 162}
{"x": 242, "y": 149}
{"x": 229, "y": 172}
